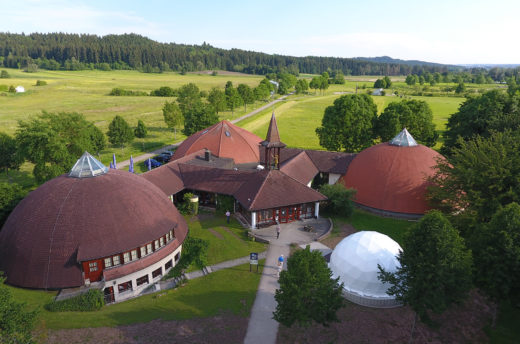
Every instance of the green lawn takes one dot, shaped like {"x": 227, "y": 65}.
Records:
{"x": 365, "y": 221}
{"x": 231, "y": 290}
{"x": 224, "y": 245}
{"x": 298, "y": 117}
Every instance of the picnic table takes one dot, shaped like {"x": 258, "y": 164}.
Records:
{"x": 308, "y": 228}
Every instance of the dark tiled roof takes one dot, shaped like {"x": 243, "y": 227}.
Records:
{"x": 271, "y": 189}
{"x": 225, "y": 140}
{"x": 214, "y": 179}
{"x": 300, "y": 168}
{"x": 325, "y": 161}
{"x": 68, "y": 220}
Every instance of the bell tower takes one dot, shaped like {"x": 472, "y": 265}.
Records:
{"x": 272, "y": 146}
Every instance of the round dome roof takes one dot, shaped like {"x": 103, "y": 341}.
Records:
{"x": 224, "y": 140}
{"x": 72, "y": 219}
{"x": 392, "y": 178}
{"x": 355, "y": 260}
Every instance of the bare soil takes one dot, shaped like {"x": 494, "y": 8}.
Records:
{"x": 461, "y": 324}
{"x": 335, "y": 237}
{"x": 227, "y": 328}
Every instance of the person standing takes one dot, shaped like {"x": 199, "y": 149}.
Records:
{"x": 277, "y": 230}
{"x": 228, "y": 215}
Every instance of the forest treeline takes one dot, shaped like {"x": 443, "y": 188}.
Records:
{"x": 130, "y": 51}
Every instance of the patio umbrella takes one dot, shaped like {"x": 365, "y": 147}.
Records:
{"x": 149, "y": 164}
{"x": 114, "y": 160}
{"x": 131, "y": 168}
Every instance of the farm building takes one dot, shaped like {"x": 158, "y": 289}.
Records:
{"x": 391, "y": 177}
{"x": 355, "y": 261}
{"x": 96, "y": 227}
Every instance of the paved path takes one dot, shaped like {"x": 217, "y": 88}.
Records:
{"x": 262, "y": 328}
{"x": 126, "y": 163}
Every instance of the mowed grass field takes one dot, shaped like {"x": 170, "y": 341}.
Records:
{"x": 232, "y": 290}
{"x": 298, "y": 117}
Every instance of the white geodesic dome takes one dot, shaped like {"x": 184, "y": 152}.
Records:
{"x": 355, "y": 260}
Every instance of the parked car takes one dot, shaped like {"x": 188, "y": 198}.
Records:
{"x": 154, "y": 163}
{"x": 163, "y": 158}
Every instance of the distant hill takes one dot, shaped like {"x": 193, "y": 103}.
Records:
{"x": 131, "y": 51}
{"x": 388, "y": 59}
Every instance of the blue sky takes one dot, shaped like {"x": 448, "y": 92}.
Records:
{"x": 456, "y": 31}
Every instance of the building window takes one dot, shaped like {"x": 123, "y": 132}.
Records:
{"x": 168, "y": 237}
{"x": 161, "y": 242}
{"x": 126, "y": 257}
{"x": 142, "y": 280}
{"x": 171, "y": 235}
{"x": 177, "y": 256}
{"x": 157, "y": 273}
{"x": 108, "y": 262}
{"x": 121, "y": 288}
{"x": 156, "y": 244}
{"x": 168, "y": 265}
{"x": 93, "y": 266}
{"x": 149, "y": 249}
{"x": 143, "y": 251}
{"x": 134, "y": 254}
{"x": 116, "y": 260}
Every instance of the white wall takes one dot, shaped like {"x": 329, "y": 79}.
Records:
{"x": 333, "y": 178}
{"x": 136, "y": 290}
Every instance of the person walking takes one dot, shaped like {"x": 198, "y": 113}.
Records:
{"x": 228, "y": 215}
{"x": 280, "y": 264}
{"x": 277, "y": 230}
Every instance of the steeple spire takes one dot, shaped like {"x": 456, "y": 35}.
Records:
{"x": 272, "y": 146}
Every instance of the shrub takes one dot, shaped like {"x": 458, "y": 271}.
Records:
{"x": 4, "y": 74}
{"x": 12, "y": 89}
{"x": 164, "y": 91}
{"x": 224, "y": 203}
{"x": 121, "y": 92}
{"x": 92, "y": 300}
{"x": 340, "y": 199}
{"x": 41, "y": 83}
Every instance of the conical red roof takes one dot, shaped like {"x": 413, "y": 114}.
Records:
{"x": 224, "y": 140}
{"x": 392, "y": 178}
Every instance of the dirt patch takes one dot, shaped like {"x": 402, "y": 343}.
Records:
{"x": 461, "y": 324}
{"x": 215, "y": 233}
{"x": 227, "y": 328}
{"x": 232, "y": 233}
{"x": 338, "y": 235}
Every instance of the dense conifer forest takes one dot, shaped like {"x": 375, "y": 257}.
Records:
{"x": 131, "y": 51}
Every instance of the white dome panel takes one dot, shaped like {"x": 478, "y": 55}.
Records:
{"x": 355, "y": 260}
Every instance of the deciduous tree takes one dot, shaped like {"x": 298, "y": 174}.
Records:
{"x": 339, "y": 199}
{"x": 10, "y": 157}
{"x": 435, "y": 269}
{"x": 414, "y": 115}
{"x": 10, "y": 196}
{"x": 53, "y": 142}
{"x": 247, "y": 95}
{"x": 119, "y": 132}
{"x": 140, "y": 131}
{"x": 16, "y": 323}
{"x": 217, "y": 98}
{"x": 348, "y": 123}
{"x": 173, "y": 117}
{"x": 199, "y": 117}
{"x": 497, "y": 254}
{"x": 307, "y": 292}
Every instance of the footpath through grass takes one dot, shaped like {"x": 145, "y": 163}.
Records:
{"x": 229, "y": 290}
{"x": 226, "y": 240}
